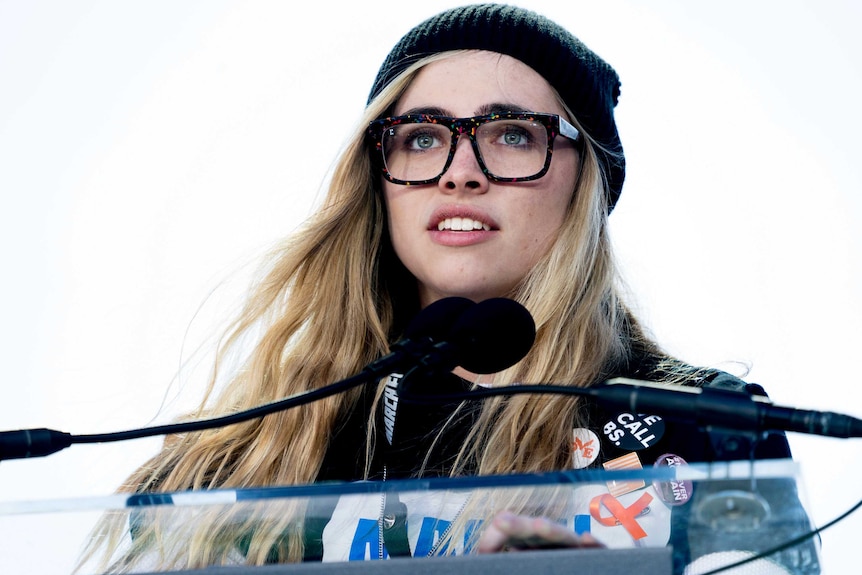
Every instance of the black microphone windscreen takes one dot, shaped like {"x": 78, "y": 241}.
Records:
{"x": 435, "y": 321}
{"x": 493, "y": 335}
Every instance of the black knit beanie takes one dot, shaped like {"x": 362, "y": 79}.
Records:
{"x": 587, "y": 84}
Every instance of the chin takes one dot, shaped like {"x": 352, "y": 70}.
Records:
{"x": 473, "y": 293}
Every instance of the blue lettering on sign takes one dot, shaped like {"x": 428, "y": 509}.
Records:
{"x": 365, "y": 540}
{"x": 582, "y": 524}
{"x": 429, "y": 534}
{"x": 469, "y": 530}
{"x": 432, "y": 529}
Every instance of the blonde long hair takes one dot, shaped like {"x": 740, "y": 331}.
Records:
{"x": 329, "y": 302}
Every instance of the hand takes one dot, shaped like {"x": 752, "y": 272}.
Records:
{"x": 510, "y": 532}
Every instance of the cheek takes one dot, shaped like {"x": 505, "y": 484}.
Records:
{"x": 400, "y": 216}
{"x": 561, "y": 197}
{"x": 543, "y": 218}
{"x": 547, "y": 209}
{"x": 392, "y": 206}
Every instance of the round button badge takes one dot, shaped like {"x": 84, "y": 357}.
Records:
{"x": 675, "y": 491}
{"x": 634, "y": 432}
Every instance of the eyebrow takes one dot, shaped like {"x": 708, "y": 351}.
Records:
{"x": 484, "y": 110}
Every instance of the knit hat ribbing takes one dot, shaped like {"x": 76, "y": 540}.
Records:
{"x": 588, "y": 85}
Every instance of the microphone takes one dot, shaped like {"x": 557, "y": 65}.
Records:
{"x": 490, "y": 336}
{"x": 722, "y": 408}
{"x": 430, "y": 326}
{"x": 706, "y": 407}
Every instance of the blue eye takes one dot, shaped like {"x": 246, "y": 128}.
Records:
{"x": 423, "y": 141}
{"x": 513, "y": 138}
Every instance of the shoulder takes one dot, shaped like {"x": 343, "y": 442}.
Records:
{"x": 669, "y": 370}
{"x": 692, "y": 435}
{"x": 722, "y": 380}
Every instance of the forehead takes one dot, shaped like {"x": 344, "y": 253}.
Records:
{"x": 465, "y": 83}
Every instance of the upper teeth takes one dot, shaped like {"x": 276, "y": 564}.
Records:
{"x": 462, "y": 224}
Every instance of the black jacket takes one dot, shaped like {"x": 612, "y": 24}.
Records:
{"x": 611, "y": 436}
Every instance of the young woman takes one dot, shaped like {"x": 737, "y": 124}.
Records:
{"x": 485, "y": 166}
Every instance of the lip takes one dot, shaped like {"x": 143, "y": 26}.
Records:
{"x": 459, "y": 238}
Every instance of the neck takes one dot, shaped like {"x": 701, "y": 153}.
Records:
{"x": 475, "y": 378}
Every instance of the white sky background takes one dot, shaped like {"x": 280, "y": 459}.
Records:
{"x": 149, "y": 150}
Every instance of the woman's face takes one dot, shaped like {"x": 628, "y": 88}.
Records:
{"x": 517, "y": 222}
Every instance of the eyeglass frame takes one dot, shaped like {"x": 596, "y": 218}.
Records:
{"x": 553, "y": 123}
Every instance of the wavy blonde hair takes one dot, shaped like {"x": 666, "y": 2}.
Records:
{"x": 329, "y": 302}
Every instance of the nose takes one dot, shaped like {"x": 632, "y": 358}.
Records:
{"x": 464, "y": 173}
